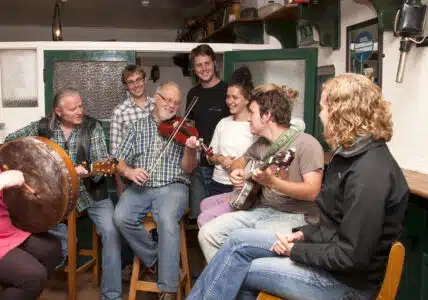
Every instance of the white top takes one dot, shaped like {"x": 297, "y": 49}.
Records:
{"x": 231, "y": 138}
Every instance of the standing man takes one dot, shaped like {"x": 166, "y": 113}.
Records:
{"x": 135, "y": 107}
{"x": 160, "y": 186}
{"x": 209, "y": 110}
{"x": 82, "y": 137}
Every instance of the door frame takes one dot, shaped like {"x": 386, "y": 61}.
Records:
{"x": 309, "y": 55}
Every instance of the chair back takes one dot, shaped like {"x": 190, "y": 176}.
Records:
{"x": 393, "y": 272}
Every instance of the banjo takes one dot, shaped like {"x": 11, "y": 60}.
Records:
{"x": 244, "y": 198}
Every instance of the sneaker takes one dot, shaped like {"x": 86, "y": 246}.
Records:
{"x": 168, "y": 296}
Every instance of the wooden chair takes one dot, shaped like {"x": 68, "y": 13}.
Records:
{"x": 94, "y": 262}
{"x": 390, "y": 284}
{"x": 184, "y": 277}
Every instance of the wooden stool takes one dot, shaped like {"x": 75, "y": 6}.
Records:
{"x": 391, "y": 281}
{"x": 94, "y": 262}
{"x": 148, "y": 286}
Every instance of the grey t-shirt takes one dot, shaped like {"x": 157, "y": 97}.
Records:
{"x": 308, "y": 158}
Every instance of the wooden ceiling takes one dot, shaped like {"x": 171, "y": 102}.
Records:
{"x": 159, "y": 14}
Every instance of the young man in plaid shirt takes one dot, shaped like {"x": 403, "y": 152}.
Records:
{"x": 135, "y": 107}
{"x": 67, "y": 126}
{"x": 160, "y": 186}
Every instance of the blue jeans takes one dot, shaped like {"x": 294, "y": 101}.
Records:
{"x": 245, "y": 266}
{"x": 214, "y": 233}
{"x": 168, "y": 204}
{"x": 200, "y": 179}
{"x": 101, "y": 214}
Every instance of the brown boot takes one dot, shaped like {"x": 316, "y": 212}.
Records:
{"x": 150, "y": 274}
{"x": 168, "y": 296}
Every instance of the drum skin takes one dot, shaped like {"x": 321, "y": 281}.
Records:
{"x": 49, "y": 171}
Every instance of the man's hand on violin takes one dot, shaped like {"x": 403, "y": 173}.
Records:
{"x": 193, "y": 142}
{"x": 137, "y": 175}
{"x": 237, "y": 178}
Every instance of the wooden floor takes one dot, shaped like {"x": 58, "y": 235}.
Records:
{"x": 57, "y": 287}
{"x": 57, "y": 290}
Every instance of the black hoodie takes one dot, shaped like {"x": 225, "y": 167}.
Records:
{"x": 362, "y": 205}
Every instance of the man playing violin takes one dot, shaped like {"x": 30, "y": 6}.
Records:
{"x": 82, "y": 137}
{"x": 160, "y": 174}
{"x": 284, "y": 203}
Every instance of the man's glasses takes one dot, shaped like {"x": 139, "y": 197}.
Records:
{"x": 135, "y": 82}
{"x": 170, "y": 102}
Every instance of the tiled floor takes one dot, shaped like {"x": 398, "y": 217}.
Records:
{"x": 57, "y": 288}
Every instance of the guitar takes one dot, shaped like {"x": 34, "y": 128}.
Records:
{"x": 244, "y": 198}
{"x": 106, "y": 167}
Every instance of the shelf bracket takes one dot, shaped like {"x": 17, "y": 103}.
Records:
{"x": 325, "y": 17}
{"x": 386, "y": 11}
{"x": 284, "y": 31}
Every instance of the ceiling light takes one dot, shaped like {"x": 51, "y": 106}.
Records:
{"x": 145, "y": 3}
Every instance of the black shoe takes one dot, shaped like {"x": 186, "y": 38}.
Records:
{"x": 62, "y": 264}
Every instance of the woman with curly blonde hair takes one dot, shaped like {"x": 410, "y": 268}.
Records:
{"x": 352, "y": 106}
{"x": 362, "y": 205}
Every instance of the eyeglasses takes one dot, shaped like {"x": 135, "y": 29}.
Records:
{"x": 134, "y": 82}
{"x": 169, "y": 101}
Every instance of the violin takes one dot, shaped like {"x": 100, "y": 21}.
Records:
{"x": 167, "y": 128}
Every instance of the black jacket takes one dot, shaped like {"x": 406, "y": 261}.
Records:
{"x": 362, "y": 205}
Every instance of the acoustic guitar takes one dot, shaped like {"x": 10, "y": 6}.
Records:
{"x": 106, "y": 167}
{"x": 244, "y": 198}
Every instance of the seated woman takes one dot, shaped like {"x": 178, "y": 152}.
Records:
{"x": 232, "y": 136}
{"x": 362, "y": 206}
{"x": 26, "y": 260}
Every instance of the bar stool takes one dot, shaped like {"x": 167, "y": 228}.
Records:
{"x": 184, "y": 277}
{"x": 94, "y": 262}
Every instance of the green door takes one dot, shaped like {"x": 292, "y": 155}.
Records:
{"x": 295, "y": 68}
{"x": 96, "y": 74}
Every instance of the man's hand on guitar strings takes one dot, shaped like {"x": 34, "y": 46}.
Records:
{"x": 237, "y": 178}
{"x": 81, "y": 170}
{"x": 265, "y": 177}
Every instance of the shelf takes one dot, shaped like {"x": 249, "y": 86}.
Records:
{"x": 288, "y": 12}
{"x": 241, "y": 31}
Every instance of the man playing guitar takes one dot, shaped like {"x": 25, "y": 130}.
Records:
{"x": 282, "y": 203}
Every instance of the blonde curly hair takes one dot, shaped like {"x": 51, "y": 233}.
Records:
{"x": 355, "y": 108}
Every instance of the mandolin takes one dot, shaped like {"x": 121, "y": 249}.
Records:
{"x": 244, "y": 198}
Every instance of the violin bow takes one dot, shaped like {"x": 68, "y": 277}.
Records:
{"x": 172, "y": 136}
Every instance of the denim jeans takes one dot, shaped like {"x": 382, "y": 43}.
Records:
{"x": 200, "y": 179}
{"x": 245, "y": 265}
{"x": 101, "y": 213}
{"x": 214, "y": 233}
{"x": 168, "y": 204}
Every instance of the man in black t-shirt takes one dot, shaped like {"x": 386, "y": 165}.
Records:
{"x": 208, "y": 111}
